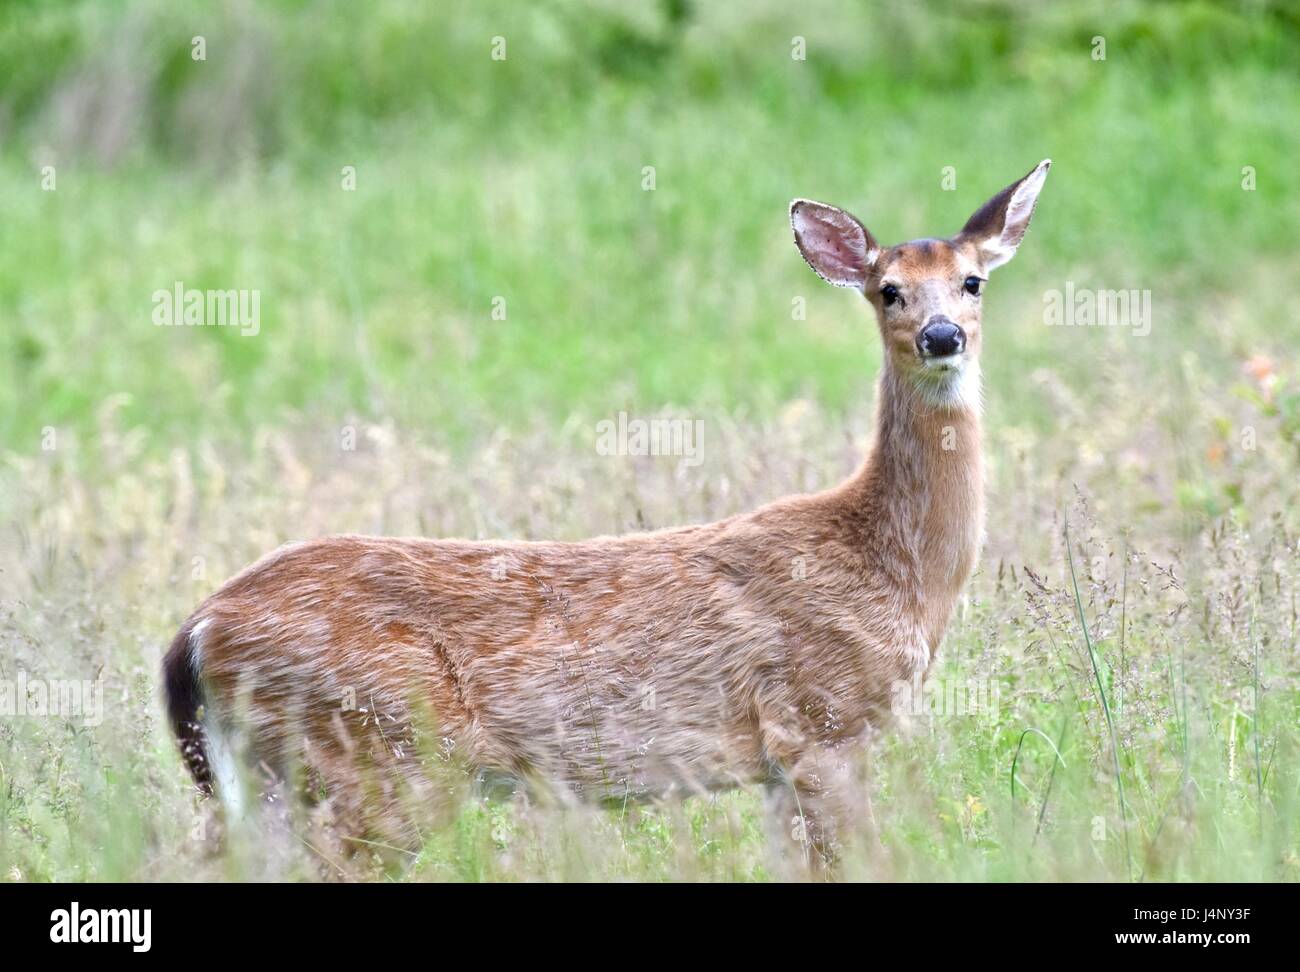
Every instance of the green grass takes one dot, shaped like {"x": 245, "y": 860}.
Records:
{"x": 379, "y": 301}
{"x": 183, "y": 453}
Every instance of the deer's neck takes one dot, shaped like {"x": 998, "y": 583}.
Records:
{"x": 922, "y": 495}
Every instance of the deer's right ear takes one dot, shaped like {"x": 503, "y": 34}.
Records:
{"x": 835, "y": 244}
{"x": 999, "y": 225}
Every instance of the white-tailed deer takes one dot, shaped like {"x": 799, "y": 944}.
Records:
{"x": 679, "y": 661}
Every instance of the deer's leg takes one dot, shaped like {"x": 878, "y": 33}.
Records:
{"x": 809, "y": 812}
{"x": 787, "y": 852}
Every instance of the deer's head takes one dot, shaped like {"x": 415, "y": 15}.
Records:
{"x": 926, "y": 292}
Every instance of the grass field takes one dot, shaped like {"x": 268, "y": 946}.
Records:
{"x": 502, "y": 278}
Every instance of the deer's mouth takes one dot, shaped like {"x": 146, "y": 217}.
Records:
{"x": 949, "y": 380}
{"x": 943, "y": 363}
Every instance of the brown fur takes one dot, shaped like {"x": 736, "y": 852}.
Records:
{"x": 757, "y": 648}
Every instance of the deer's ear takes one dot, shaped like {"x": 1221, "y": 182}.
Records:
{"x": 1000, "y": 224}
{"x": 835, "y": 244}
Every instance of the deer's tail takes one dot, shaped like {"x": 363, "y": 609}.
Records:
{"x": 183, "y": 688}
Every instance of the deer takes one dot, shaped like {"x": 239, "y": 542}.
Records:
{"x": 652, "y": 665}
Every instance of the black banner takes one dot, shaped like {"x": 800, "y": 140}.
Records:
{"x": 366, "y": 921}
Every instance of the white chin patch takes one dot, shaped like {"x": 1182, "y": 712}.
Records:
{"x": 952, "y": 381}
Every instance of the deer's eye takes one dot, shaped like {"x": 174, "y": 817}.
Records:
{"x": 972, "y": 286}
{"x": 889, "y": 294}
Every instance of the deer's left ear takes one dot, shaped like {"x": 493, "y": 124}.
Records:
{"x": 833, "y": 242}
{"x": 999, "y": 225}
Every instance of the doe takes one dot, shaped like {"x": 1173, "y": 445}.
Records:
{"x": 655, "y": 664}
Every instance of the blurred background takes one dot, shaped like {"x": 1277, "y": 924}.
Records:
{"x": 477, "y": 229}
{"x": 522, "y": 179}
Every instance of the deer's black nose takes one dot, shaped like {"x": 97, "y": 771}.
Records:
{"x": 939, "y": 338}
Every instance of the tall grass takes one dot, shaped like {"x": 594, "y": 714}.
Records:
{"x": 112, "y": 802}
{"x": 1101, "y": 693}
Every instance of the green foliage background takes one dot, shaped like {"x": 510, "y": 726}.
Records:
{"x": 522, "y": 179}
